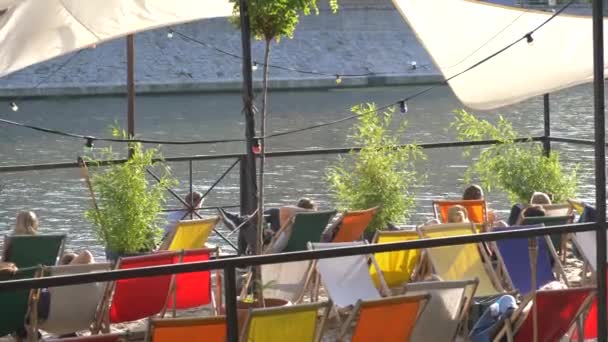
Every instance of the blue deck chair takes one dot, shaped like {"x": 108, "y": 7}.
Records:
{"x": 515, "y": 257}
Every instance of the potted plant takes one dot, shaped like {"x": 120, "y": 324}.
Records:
{"x": 519, "y": 169}
{"x": 251, "y": 301}
{"x": 126, "y": 215}
{"x": 381, "y": 173}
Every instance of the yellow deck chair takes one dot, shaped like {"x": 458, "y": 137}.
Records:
{"x": 397, "y": 267}
{"x": 387, "y": 319}
{"x": 192, "y": 329}
{"x": 297, "y": 323}
{"x": 577, "y": 205}
{"x": 461, "y": 261}
{"x": 192, "y": 234}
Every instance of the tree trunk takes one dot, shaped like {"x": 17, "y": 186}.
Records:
{"x": 262, "y": 149}
{"x": 260, "y": 223}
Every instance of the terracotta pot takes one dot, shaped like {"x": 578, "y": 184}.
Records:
{"x": 242, "y": 308}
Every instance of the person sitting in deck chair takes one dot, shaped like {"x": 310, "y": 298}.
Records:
{"x": 475, "y": 192}
{"x": 458, "y": 214}
{"x": 195, "y": 200}
{"x": 273, "y": 216}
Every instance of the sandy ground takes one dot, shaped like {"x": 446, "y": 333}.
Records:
{"x": 573, "y": 269}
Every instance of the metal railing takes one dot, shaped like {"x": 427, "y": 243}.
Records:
{"x": 229, "y": 265}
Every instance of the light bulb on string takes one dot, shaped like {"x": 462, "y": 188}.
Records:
{"x": 14, "y": 106}
{"x": 403, "y": 107}
{"x": 170, "y": 34}
{"x": 338, "y": 79}
{"x": 529, "y": 38}
{"x": 413, "y": 65}
{"x": 254, "y": 66}
{"x": 89, "y": 143}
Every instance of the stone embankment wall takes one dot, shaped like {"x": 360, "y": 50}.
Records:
{"x": 366, "y": 36}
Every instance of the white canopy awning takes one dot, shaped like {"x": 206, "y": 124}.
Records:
{"x": 460, "y": 33}
{"x": 32, "y": 31}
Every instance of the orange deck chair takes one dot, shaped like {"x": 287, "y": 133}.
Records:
{"x": 132, "y": 299}
{"x": 353, "y": 224}
{"x": 476, "y": 209}
{"x": 191, "y": 329}
{"x": 557, "y": 310}
{"x": 193, "y": 289}
{"x": 387, "y": 319}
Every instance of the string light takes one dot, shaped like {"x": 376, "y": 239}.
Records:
{"x": 254, "y": 66}
{"x": 403, "y": 106}
{"x": 14, "y": 106}
{"x": 170, "y": 34}
{"x": 413, "y": 65}
{"x": 529, "y": 38}
{"x": 338, "y": 79}
{"x": 89, "y": 143}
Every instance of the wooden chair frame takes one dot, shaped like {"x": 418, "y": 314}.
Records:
{"x": 374, "y": 210}
{"x": 485, "y": 224}
{"x": 513, "y": 323}
{"x": 166, "y": 243}
{"x": 181, "y": 321}
{"x": 469, "y": 287}
{"x": 320, "y": 328}
{"x": 346, "y": 326}
{"x": 102, "y": 322}
{"x": 419, "y": 270}
{"x": 484, "y": 257}
{"x": 558, "y": 268}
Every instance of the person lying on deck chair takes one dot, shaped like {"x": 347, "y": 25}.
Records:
{"x": 275, "y": 217}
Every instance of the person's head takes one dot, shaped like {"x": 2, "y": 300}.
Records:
{"x": 27, "y": 223}
{"x": 307, "y": 203}
{"x": 195, "y": 198}
{"x": 473, "y": 192}
{"x": 534, "y": 211}
{"x": 540, "y": 198}
{"x": 457, "y": 214}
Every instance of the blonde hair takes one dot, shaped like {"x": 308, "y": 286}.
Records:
{"x": 457, "y": 213}
{"x": 27, "y": 223}
{"x": 540, "y": 198}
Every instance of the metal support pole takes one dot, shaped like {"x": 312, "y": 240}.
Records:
{"x": 232, "y": 323}
{"x": 600, "y": 165}
{"x": 547, "y": 120}
{"x": 191, "y": 197}
{"x": 131, "y": 88}
{"x": 249, "y": 191}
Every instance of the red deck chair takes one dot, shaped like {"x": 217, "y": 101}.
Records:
{"x": 137, "y": 298}
{"x": 557, "y": 312}
{"x": 193, "y": 289}
{"x": 590, "y": 325}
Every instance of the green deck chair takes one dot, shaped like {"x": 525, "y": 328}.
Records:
{"x": 34, "y": 250}
{"x": 307, "y": 227}
{"x": 15, "y": 303}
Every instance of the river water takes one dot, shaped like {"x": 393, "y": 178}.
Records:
{"x": 59, "y": 197}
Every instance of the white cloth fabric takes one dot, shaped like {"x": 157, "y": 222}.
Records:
{"x": 346, "y": 279}
{"x": 73, "y": 307}
{"x": 32, "y": 31}
{"x": 286, "y": 280}
{"x": 587, "y": 244}
{"x": 460, "y": 33}
{"x": 440, "y": 320}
